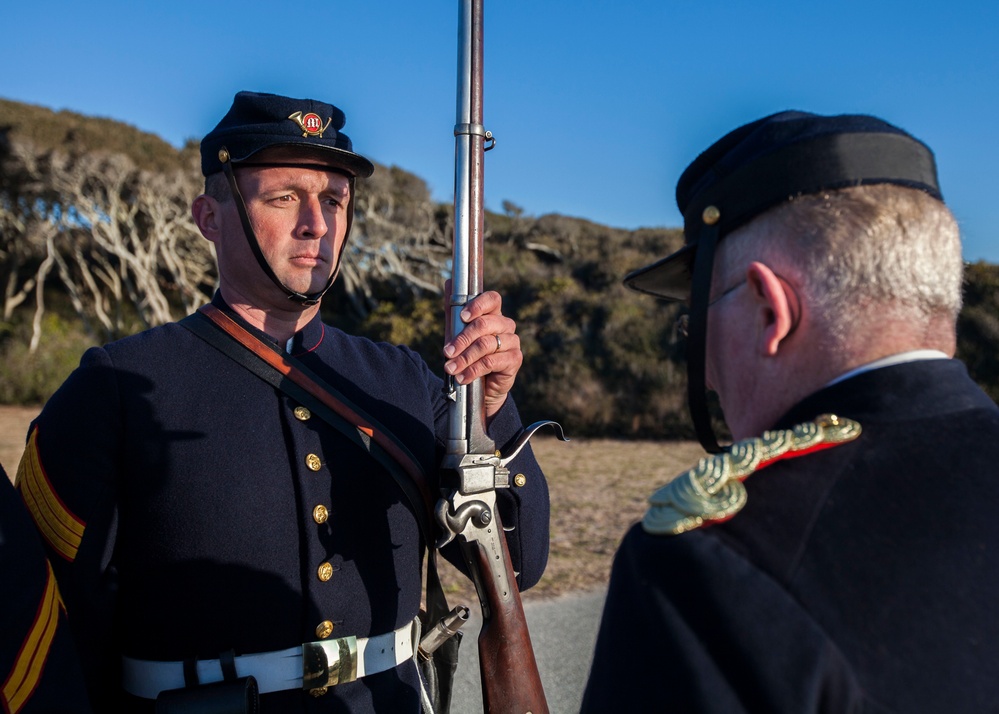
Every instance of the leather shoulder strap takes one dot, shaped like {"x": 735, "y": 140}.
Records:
{"x": 288, "y": 375}
{"x": 294, "y": 379}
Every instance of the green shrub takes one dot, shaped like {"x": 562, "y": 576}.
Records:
{"x": 31, "y": 378}
{"x": 978, "y": 326}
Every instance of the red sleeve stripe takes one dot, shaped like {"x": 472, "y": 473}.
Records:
{"x": 27, "y": 670}
{"x": 59, "y": 526}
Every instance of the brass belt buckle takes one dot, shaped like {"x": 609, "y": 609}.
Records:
{"x": 328, "y": 663}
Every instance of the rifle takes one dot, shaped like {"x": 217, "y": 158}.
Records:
{"x": 473, "y": 469}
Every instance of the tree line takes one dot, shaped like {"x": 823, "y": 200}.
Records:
{"x": 96, "y": 242}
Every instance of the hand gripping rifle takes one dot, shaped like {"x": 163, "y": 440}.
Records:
{"x": 473, "y": 469}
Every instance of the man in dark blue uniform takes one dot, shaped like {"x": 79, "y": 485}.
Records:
{"x": 203, "y": 523}
{"x": 823, "y": 275}
{"x": 39, "y": 667}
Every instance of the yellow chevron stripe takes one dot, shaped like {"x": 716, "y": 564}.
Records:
{"x": 58, "y": 525}
{"x": 27, "y": 670}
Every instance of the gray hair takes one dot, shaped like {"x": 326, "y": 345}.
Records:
{"x": 854, "y": 249}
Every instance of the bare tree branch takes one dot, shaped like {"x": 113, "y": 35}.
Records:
{"x": 122, "y": 244}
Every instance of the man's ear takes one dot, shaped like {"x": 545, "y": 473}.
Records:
{"x": 205, "y": 211}
{"x": 777, "y": 306}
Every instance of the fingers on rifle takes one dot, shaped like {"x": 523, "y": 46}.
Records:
{"x": 482, "y": 358}
{"x": 489, "y": 302}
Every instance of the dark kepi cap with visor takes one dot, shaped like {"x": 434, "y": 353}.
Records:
{"x": 258, "y": 121}
{"x": 752, "y": 170}
{"x": 772, "y": 160}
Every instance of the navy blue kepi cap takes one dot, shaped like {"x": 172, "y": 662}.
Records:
{"x": 260, "y": 121}
{"x": 772, "y": 160}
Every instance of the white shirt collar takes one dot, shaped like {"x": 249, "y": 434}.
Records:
{"x": 912, "y": 356}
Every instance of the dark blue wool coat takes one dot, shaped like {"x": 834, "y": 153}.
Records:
{"x": 189, "y": 481}
{"x": 861, "y": 578}
{"x": 39, "y": 667}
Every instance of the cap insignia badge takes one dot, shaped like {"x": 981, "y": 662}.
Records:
{"x": 311, "y": 124}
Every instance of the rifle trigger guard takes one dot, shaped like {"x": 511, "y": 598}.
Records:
{"x": 525, "y": 435}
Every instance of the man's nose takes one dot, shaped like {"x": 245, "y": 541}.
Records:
{"x": 311, "y": 218}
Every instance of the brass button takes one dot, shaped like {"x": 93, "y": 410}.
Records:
{"x": 325, "y": 572}
{"x": 710, "y": 215}
{"x": 519, "y": 480}
{"x": 302, "y": 414}
{"x": 318, "y": 692}
{"x": 324, "y": 630}
{"x": 313, "y": 462}
{"x": 320, "y": 513}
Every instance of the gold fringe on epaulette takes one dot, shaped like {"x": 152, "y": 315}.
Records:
{"x": 713, "y": 491}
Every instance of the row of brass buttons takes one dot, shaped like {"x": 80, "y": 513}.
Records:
{"x": 320, "y": 514}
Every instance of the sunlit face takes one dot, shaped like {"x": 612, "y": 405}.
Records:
{"x": 299, "y": 216}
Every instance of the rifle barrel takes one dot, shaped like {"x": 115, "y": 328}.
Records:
{"x": 511, "y": 683}
{"x": 467, "y": 417}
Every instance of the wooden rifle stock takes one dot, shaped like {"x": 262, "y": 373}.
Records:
{"x": 473, "y": 469}
{"x": 510, "y": 678}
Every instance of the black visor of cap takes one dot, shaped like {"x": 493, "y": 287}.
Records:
{"x": 773, "y": 160}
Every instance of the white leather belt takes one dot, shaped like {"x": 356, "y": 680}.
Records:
{"x": 309, "y": 666}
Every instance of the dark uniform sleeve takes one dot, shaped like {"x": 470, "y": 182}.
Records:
{"x": 525, "y": 507}
{"x": 68, "y": 479}
{"x": 690, "y": 626}
{"x": 39, "y": 667}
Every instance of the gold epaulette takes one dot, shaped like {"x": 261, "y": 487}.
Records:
{"x": 713, "y": 491}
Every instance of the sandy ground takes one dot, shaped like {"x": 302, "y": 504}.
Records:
{"x": 13, "y": 428}
{"x": 598, "y": 488}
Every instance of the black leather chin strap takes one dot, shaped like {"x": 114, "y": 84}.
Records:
{"x": 697, "y": 335}
{"x": 304, "y": 299}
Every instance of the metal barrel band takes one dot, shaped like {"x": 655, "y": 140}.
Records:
{"x": 472, "y": 129}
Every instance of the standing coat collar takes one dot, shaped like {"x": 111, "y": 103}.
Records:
{"x": 304, "y": 341}
{"x": 904, "y": 391}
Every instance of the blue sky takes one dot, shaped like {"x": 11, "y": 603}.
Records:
{"x": 597, "y": 106}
